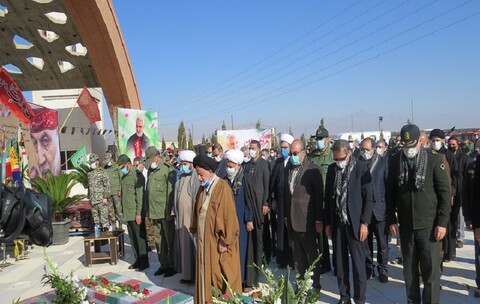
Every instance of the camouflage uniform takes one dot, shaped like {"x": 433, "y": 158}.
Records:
{"x": 114, "y": 176}
{"x": 98, "y": 189}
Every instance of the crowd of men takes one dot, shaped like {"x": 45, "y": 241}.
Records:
{"x": 216, "y": 215}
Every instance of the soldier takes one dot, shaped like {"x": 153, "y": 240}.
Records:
{"x": 419, "y": 191}
{"x": 114, "y": 203}
{"x": 98, "y": 192}
{"x": 323, "y": 157}
{"x": 133, "y": 185}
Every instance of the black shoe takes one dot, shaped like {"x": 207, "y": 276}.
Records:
{"x": 345, "y": 301}
{"x": 134, "y": 265}
{"x": 182, "y": 281}
{"x": 325, "y": 269}
{"x": 169, "y": 272}
{"x": 383, "y": 278}
{"x": 476, "y": 294}
{"x": 142, "y": 266}
{"x": 459, "y": 244}
{"x": 160, "y": 271}
{"x": 369, "y": 273}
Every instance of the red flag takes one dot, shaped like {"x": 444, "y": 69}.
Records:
{"x": 12, "y": 97}
{"x": 88, "y": 105}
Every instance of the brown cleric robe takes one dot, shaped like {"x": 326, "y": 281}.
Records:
{"x": 215, "y": 219}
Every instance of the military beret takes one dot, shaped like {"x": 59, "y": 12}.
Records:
{"x": 93, "y": 158}
{"x": 123, "y": 159}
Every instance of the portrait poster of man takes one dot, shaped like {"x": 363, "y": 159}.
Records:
{"x": 137, "y": 130}
{"x": 236, "y": 139}
{"x": 39, "y": 137}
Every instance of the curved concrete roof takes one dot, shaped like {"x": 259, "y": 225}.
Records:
{"x": 45, "y": 40}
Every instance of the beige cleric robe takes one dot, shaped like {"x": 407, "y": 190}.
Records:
{"x": 215, "y": 219}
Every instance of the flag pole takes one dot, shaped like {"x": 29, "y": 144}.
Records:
{"x": 69, "y": 113}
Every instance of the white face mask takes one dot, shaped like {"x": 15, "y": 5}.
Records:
{"x": 342, "y": 164}
{"x": 231, "y": 172}
{"x": 253, "y": 153}
{"x": 153, "y": 165}
{"x": 218, "y": 158}
{"x": 380, "y": 151}
{"x": 366, "y": 155}
{"x": 351, "y": 145}
{"x": 246, "y": 159}
{"x": 437, "y": 145}
{"x": 93, "y": 166}
{"x": 410, "y": 152}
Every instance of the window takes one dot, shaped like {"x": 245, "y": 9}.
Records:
{"x": 64, "y": 156}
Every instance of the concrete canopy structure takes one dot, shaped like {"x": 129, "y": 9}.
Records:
{"x": 64, "y": 44}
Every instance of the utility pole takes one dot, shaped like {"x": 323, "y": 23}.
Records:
{"x": 411, "y": 104}
{"x": 231, "y": 118}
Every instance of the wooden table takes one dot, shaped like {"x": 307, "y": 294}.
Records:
{"x": 115, "y": 240}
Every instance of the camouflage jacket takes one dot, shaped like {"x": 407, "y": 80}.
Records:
{"x": 98, "y": 185}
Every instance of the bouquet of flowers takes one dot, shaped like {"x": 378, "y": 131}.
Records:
{"x": 107, "y": 287}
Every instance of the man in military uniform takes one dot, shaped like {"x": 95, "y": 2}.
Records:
{"x": 419, "y": 191}
{"x": 132, "y": 187}
{"x": 161, "y": 180}
{"x": 98, "y": 192}
{"x": 322, "y": 156}
{"x": 114, "y": 203}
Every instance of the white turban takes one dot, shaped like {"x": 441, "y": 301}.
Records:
{"x": 287, "y": 138}
{"x": 235, "y": 156}
{"x": 187, "y": 155}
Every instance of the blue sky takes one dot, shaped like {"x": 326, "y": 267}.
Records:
{"x": 290, "y": 63}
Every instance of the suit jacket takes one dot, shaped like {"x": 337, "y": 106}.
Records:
{"x": 359, "y": 199}
{"x": 277, "y": 183}
{"x": 305, "y": 205}
{"x": 379, "y": 182}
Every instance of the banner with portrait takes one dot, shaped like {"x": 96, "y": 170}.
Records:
{"x": 137, "y": 130}
{"x": 236, "y": 139}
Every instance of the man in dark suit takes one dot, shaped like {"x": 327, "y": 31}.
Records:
{"x": 419, "y": 192}
{"x": 348, "y": 209}
{"x": 303, "y": 193}
{"x": 379, "y": 171}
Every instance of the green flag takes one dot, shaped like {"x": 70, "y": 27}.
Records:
{"x": 80, "y": 157}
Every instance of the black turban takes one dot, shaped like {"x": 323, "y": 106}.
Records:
{"x": 205, "y": 162}
{"x": 437, "y": 133}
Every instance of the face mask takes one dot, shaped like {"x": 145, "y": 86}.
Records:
{"x": 264, "y": 157}
{"x": 206, "y": 184}
{"x": 284, "y": 153}
{"x": 109, "y": 164}
{"x": 410, "y": 152}
{"x": 272, "y": 155}
{"x": 186, "y": 169}
{"x": 253, "y": 153}
{"x": 295, "y": 160}
{"x": 153, "y": 165}
{"x": 218, "y": 158}
{"x": 209, "y": 154}
{"x": 437, "y": 145}
{"x": 125, "y": 170}
{"x": 342, "y": 164}
{"x": 379, "y": 151}
{"x": 366, "y": 155}
{"x": 138, "y": 169}
{"x": 321, "y": 144}
{"x": 93, "y": 166}
{"x": 231, "y": 172}
{"x": 246, "y": 159}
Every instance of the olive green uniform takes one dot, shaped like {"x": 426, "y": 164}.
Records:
{"x": 99, "y": 189}
{"x": 160, "y": 184}
{"x": 419, "y": 212}
{"x": 132, "y": 187}
{"x": 114, "y": 203}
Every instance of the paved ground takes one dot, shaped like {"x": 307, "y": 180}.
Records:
{"x": 22, "y": 278}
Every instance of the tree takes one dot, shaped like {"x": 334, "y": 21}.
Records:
{"x": 190, "y": 140}
{"x": 322, "y": 123}
{"x": 257, "y": 125}
{"x": 224, "y": 126}
{"x": 213, "y": 139}
{"x": 181, "y": 136}
{"x": 304, "y": 140}
{"x": 204, "y": 141}
{"x": 290, "y": 130}
{"x": 164, "y": 144}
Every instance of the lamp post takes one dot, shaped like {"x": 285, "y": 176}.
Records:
{"x": 380, "y": 119}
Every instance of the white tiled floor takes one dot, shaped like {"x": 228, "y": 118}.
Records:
{"x": 22, "y": 279}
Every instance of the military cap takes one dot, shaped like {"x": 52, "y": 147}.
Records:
{"x": 93, "y": 158}
{"x": 123, "y": 159}
{"x": 437, "y": 133}
{"x": 409, "y": 135}
{"x": 108, "y": 157}
{"x": 321, "y": 132}
{"x": 151, "y": 153}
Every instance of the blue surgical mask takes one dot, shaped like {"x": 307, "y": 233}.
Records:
{"x": 209, "y": 154}
{"x": 321, "y": 144}
{"x": 125, "y": 170}
{"x": 285, "y": 152}
{"x": 206, "y": 184}
{"x": 295, "y": 160}
{"x": 186, "y": 169}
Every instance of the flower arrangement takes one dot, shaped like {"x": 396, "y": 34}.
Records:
{"x": 276, "y": 290}
{"x": 107, "y": 287}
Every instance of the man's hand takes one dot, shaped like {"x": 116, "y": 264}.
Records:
{"x": 468, "y": 224}
{"x": 222, "y": 247}
{"x": 440, "y": 232}
{"x": 319, "y": 227}
{"x": 265, "y": 210}
{"x": 249, "y": 226}
{"x": 477, "y": 234}
{"x": 363, "y": 232}
{"x": 138, "y": 219}
{"x": 274, "y": 204}
{"x": 328, "y": 231}
{"x": 105, "y": 201}
{"x": 394, "y": 229}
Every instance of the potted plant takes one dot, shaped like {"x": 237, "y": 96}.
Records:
{"x": 58, "y": 188}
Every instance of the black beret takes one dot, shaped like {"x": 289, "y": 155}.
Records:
{"x": 123, "y": 159}
{"x": 205, "y": 162}
{"x": 437, "y": 133}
